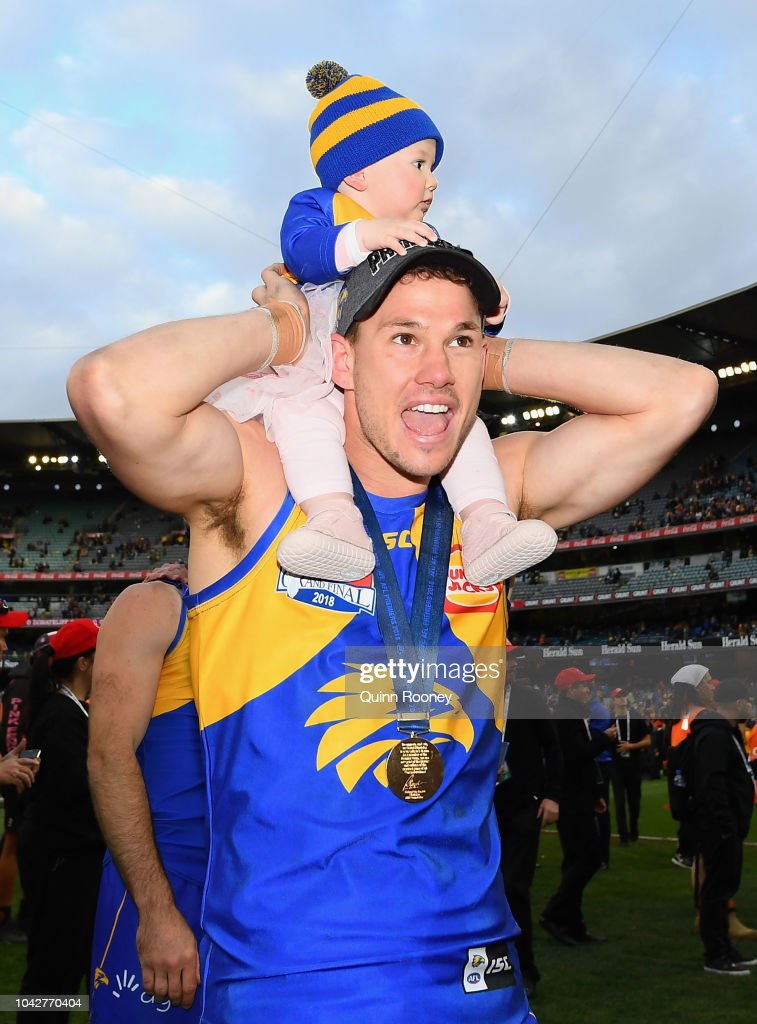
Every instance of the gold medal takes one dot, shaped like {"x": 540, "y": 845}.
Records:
{"x": 414, "y": 769}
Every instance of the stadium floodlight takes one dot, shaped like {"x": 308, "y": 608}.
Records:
{"x": 32, "y": 460}
{"x": 737, "y": 423}
{"x": 713, "y": 428}
{"x": 752, "y": 365}
{"x": 77, "y": 487}
{"x": 38, "y": 467}
{"x": 74, "y": 458}
{"x": 526, "y": 415}
{"x": 101, "y": 458}
{"x": 62, "y": 460}
{"x": 45, "y": 459}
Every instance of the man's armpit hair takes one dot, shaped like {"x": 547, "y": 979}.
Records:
{"x": 223, "y": 516}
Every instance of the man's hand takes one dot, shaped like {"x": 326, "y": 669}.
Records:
{"x": 612, "y": 732}
{"x": 277, "y": 287}
{"x": 17, "y": 771}
{"x": 168, "y": 955}
{"x": 549, "y": 811}
{"x": 504, "y": 304}
{"x": 175, "y": 571}
{"x": 624, "y": 747}
{"x": 391, "y": 232}
{"x": 600, "y": 806}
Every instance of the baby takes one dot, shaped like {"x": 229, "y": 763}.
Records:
{"x": 375, "y": 153}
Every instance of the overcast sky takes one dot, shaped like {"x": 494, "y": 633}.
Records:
{"x": 657, "y": 213}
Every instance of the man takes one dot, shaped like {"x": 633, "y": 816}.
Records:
{"x": 16, "y": 775}
{"x": 599, "y": 721}
{"x": 148, "y": 787}
{"x": 581, "y": 801}
{"x": 328, "y": 892}
{"x": 526, "y": 797}
{"x": 692, "y": 693}
{"x": 633, "y": 737}
{"x": 724, "y": 798}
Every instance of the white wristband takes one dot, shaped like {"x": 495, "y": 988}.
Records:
{"x": 505, "y": 357}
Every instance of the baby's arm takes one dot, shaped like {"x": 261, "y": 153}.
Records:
{"x": 308, "y": 237}
{"x": 316, "y": 250}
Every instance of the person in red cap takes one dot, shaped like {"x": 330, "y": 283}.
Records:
{"x": 60, "y": 847}
{"x": 633, "y": 737}
{"x": 577, "y": 824}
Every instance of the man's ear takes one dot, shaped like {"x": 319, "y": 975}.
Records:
{"x": 356, "y": 180}
{"x": 342, "y": 362}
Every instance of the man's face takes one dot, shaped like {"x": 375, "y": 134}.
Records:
{"x": 706, "y": 691}
{"x": 620, "y": 705}
{"x": 401, "y": 185}
{"x": 3, "y": 641}
{"x": 412, "y": 378}
{"x": 581, "y": 692}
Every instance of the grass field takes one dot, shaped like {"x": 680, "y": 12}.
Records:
{"x": 650, "y": 972}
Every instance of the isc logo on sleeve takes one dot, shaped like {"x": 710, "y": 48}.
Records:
{"x": 488, "y": 967}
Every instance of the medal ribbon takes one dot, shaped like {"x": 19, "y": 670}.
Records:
{"x": 420, "y": 635}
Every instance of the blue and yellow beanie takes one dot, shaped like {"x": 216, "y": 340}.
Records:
{"x": 358, "y": 121}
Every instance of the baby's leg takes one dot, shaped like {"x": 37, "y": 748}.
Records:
{"x": 333, "y": 543}
{"x": 496, "y": 545}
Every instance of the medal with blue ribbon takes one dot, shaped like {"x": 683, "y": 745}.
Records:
{"x": 415, "y": 767}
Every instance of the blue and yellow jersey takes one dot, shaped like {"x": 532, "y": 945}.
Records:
{"x": 170, "y": 756}
{"x": 314, "y": 862}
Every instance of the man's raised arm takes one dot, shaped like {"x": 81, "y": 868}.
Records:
{"x": 140, "y": 400}
{"x": 639, "y": 408}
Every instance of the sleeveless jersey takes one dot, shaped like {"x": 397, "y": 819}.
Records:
{"x": 314, "y": 862}
{"x": 171, "y": 760}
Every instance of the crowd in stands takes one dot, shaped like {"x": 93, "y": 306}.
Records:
{"x": 708, "y": 626}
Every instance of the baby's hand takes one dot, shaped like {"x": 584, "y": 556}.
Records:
{"x": 391, "y": 232}
{"x": 504, "y": 304}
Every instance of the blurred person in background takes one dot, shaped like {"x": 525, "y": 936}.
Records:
{"x": 599, "y": 721}
{"x": 526, "y": 797}
{"x": 633, "y": 737}
{"x": 723, "y": 802}
{"x": 581, "y": 797}
{"x": 60, "y": 848}
{"x": 692, "y": 693}
{"x": 16, "y": 774}
{"x": 147, "y": 779}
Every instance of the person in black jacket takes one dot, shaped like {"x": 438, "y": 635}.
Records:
{"x": 633, "y": 737}
{"x": 526, "y": 797}
{"x": 723, "y": 798}
{"x": 577, "y": 826}
{"x": 60, "y": 848}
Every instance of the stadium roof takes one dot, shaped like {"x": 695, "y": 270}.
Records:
{"x": 720, "y": 332}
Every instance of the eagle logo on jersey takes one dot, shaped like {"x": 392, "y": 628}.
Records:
{"x": 349, "y": 727}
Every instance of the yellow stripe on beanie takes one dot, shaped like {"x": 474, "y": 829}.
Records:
{"x": 352, "y": 122}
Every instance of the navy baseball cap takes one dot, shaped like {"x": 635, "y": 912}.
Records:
{"x": 366, "y": 287}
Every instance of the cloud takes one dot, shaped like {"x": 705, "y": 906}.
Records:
{"x": 211, "y": 102}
